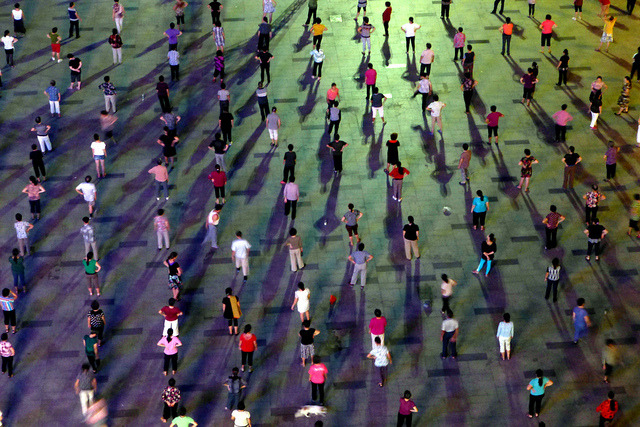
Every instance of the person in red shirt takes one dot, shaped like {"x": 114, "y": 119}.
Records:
{"x": 492, "y": 122}
{"x": 551, "y": 221}
{"x": 248, "y": 344}
{"x": 219, "y": 179}
{"x": 607, "y": 409}
{"x": 386, "y": 17}
{"x": 170, "y": 314}
{"x": 547, "y": 27}
{"x": 317, "y": 377}
{"x": 398, "y": 174}
{"x": 370, "y": 79}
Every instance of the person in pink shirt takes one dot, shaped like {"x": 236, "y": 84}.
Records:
{"x": 219, "y": 179}
{"x": 547, "y": 27}
{"x": 458, "y": 43}
{"x": 317, "y": 377}
{"x": 561, "y": 118}
{"x": 333, "y": 94}
{"x": 170, "y": 344}
{"x": 377, "y": 326}
{"x": 492, "y": 122}
{"x": 370, "y": 78}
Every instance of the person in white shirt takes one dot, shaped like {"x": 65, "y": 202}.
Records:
{"x": 240, "y": 254}
{"x": 436, "y": 113}
{"x": 99, "y": 151}
{"x": 212, "y": 226}
{"x": 18, "y": 20}
{"x": 8, "y": 41}
{"x": 446, "y": 289}
{"x": 88, "y": 190}
{"x": 424, "y": 88}
{"x": 240, "y": 417}
{"x": 426, "y": 59}
{"x": 504, "y": 335}
{"x": 318, "y": 58}
{"x": 382, "y": 358}
{"x": 291, "y": 196}
{"x": 410, "y": 34}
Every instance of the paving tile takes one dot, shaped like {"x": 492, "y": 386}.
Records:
{"x": 443, "y": 373}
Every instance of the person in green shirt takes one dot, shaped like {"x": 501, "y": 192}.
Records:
{"x": 17, "y": 268}
{"x": 183, "y": 420}
{"x": 55, "y": 43}
{"x": 91, "y": 349}
{"x": 91, "y": 269}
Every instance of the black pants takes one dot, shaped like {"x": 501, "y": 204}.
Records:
{"x": 317, "y": 69}
{"x": 317, "y": 40}
{"x": 264, "y": 109}
{"x": 226, "y": 134}
{"x": 169, "y": 411}
{"x": 535, "y": 401}
{"x": 561, "y": 133}
{"x": 179, "y": 19}
{"x": 265, "y": 68}
{"x": 99, "y": 331}
{"x": 369, "y": 90}
{"x": 9, "y": 317}
{"x": 247, "y": 356}
{"x": 224, "y": 104}
{"x": 164, "y": 103}
{"x": 591, "y": 214}
{"x": 288, "y": 173}
{"x": 545, "y": 38}
{"x": 315, "y": 390}
{"x": 402, "y": 419}
{"x": 219, "y": 191}
{"x": 635, "y": 69}
{"x": 448, "y": 344}
{"x": 592, "y": 246}
{"x": 72, "y": 25}
{"x": 603, "y": 420}
{"x": 35, "y": 206}
{"x": 611, "y": 171}
{"x": 95, "y": 363}
{"x": 7, "y": 365}
{"x": 383, "y": 373}
{"x": 478, "y": 218}
{"x": 532, "y": 9}
{"x": 175, "y": 72}
{"x": 630, "y": 5}
{"x": 495, "y": 6}
{"x": 386, "y": 27}
{"x": 552, "y": 237}
{"x": 263, "y": 41}
{"x": 312, "y": 12}
{"x": 337, "y": 163}
{"x": 425, "y": 99}
{"x": 425, "y": 69}
{"x": 170, "y": 358}
{"x": 444, "y": 10}
{"x": 38, "y": 168}
{"x": 290, "y": 205}
{"x": 467, "y": 94}
{"x": 562, "y": 75}
{"x": 412, "y": 41}
{"x": 333, "y": 125}
{"x": 552, "y": 284}
{"x": 9, "y": 55}
{"x": 506, "y": 41}
{"x": 445, "y": 304}
{"x": 215, "y": 17}
{"x": 456, "y": 51}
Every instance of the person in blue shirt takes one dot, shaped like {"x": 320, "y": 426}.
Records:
{"x": 581, "y": 321}
{"x": 537, "y": 386}
{"x": 479, "y": 209}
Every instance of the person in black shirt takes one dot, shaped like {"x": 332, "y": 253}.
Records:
{"x": 219, "y": 148}
{"x": 635, "y": 67}
{"x": 37, "y": 162}
{"x": 570, "y": 161}
{"x": 168, "y": 143}
{"x": 289, "y": 164}
{"x": 563, "y": 68}
{"x": 265, "y": 57}
{"x": 307, "y": 334}
{"x": 75, "y": 65}
{"x": 411, "y": 233}
{"x": 488, "y": 251}
{"x": 467, "y": 61}
{"x": 225, "y": 122}
{"x": 215, "y": 7}
{"x": 264, "y": 34}
{"x": 162, "y": 89}
{"x": 595, "y": 233}
{"x": 596, "y": 109}
{"x": 336, "y": 148}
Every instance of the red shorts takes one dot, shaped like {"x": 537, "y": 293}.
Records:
{"x": 55, "y": 48}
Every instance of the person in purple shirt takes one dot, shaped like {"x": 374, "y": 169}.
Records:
{"x": 291, "y": 196}
{"x": 173, "y": 35}
{"x": 406, "y": 410}
{"x": 610, "y": 158}
{"x": 561, "y": 118}
{"x": 529, "y": 81}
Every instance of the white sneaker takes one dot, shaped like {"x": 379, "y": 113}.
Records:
{"x": 574, "y": 18}
{"x": 53, "y": 58}
{"x": 59, "y": 61}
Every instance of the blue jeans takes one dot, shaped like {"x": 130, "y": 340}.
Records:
{"x": 18, "y": 277}
{"x": 482, "y": 261}
{"x": 232, "y": 400}
{"x": 164, "y": 186}
{"x": 581, "y": 331}
{"x": 447, "y": 343}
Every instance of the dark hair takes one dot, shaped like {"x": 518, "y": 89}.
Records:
{"x": 87, "y": 178}
{"x": 293, "y": 232}
{"x": 247, "y": 328}
{"x": 636, "y": 196}
{"x": 34, "y": 147}
{"x": 410, "y": 218}
{"x": 411, "y": 18}
{"x": 335, "y": 104}
{"x": 580, "y": 301}
{"x": 228, "y": 291}
{"x": 555, "y": 262}
{"x": 217, "y": 167}
{"x": 220, "y": 53}
{"x": 301, "y": 286}
{"x": 350, "y": 206}
{"x": 172, "y": 25}
{"x": 166, "y": 128}
{"x": 238, "y": 233}
{"x": 15, "y": 253}
{"x": 161, "y": 78}
{"x": 172, "y": 301}
{"x": 527, "y": 152}
{"x": 70, "y": 55}
{"x": 4, "y": 336}
{"x": 394, "y": 136}
{"x": 407, "y": 394}
{"x": 95, "y": 305}
{"x": 316, "y": 359}
{"x": 377, "y": 312}
{"x": 292, "y": 179}
{"x": 444, "y": 278}
{"x": 18, "y": 217}
{"x": 547, "y": 17}
{"x": 235, "y": 370}
{"x": 218, "y": 207}
{"x": 388, "y": 3}
{"x": 33, "y": 180}
{"x": 370, "y": 65}
{"x": 508, "y": 20}
{"x": 265, "y": 19}
{"x": 469, "y": 47}
{"x": 290, "y": 147}
{"x": 539, "y": 374}
{"x": 566, "y": 52}
{"x": 54, "y": 30}
{"x": 494, "y": 108}
{"x": 563, "y": 106}
{"x": 436, "y": 98}
{"x": 465, "y": 146}
{"x": 169, "y": 334}
{"x": 612, "y": 403}
{"x": 506, "y": 317}
{"x": 377, "y": 340}
{"x": 336, "y": 136}
{"x": 365, "y": 20}
{"x": 89, "y": 256}
{"x": 595, "y": 221}
{"x": 241, "y": 406}
{"x": 492, "y": 237}
{"x": 595, "y": 187}
{"x": 479, "y": 193}
{"x": 360, "y": 246}
{"x": 86, "y": 219}
{"x": 306, "y": 323}
{"x": 172, "y": 382}
{"x": 85, "y": 366}
{"x": 183, "y": 411}
{"x": 553, "y": 208}
{"x": 114, "y": 31}
{"x": 318, "y": 20}
{"x": 96, "y": 136}
{"x": 428, "y": 45}
{"x": 467, "y": 75}
{"x": 160, "y": 211}
{"x": 611, "y": 143}
{"x": 572, "y": 149}
{"x": 320, "y": 423}
{"x": 6, "y": 292}
{"x": 375, "y": 89}
{"x": 449, "y": 314}
{"x": 172, "y": 255}
{"x": 609, "y": 342}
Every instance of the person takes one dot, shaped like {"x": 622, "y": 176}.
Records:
{"x": 18, "y": 20}
{"x": 317, "y": 29}
{"x": 174, "y": 276}
{"x": 377, "y": 105}
{"x": 317, "y": 377}
{"x": 359, "y": 258}
{"x": 33, "y": 190}
{"x": 291, "y": 194}
{"x": 386, "y": 17}
{"x": 96, "y": 320}
{"x": 350, "y": 218}
{"x": 240, "y": 417}
{"x": 362, "y": 4}
{"x": 219, "y": 179}
{"x": 218, "y": 36}
{"x": 635, "y": 66}
{"x": 240, "y": 254}
{"x": 365, "y": 31}
{"x": 425, "y": 89}
{"x": 295, "y": 250}
{"x": 505, "y": 335}
{"x": 226, "y": 123}
{"x": 551, "y": 222}
{"x": 479, "y": 208}
{"x": 162, "y": 89}
{"x": 161, "y": 175}
{"x": 22, "y": 230}
{"x": 406, "y": 410}
{"x": 219, "y": 148}
{"x": 459, "y": 40}
{"x": 116, "y": 48}
{"x": 37, "y": 161}
{"x": 392, "y": 151}
{"x": 607, "y": 409}
{"x": 562, "y": 118}
{"x": 170, "y": 345}
{"x": 7, "y": 352}
{"x": 117, "y": 15}
{"x": 426, "y": 59}
{"x": 171, "y": 121}
{"x": 592, "y": 198}
{"x": 99, "y": 152}
{"x": 183, "y": 420}
{"x": 581, "y": 320}
{"x": 234, "y": 385}
{"x": 570, "y": 161}
{"x": 211, "y": 225}
{"x": 537, "y": 387}
{"x": 53, "y": 95}
{"x": 609, "y": 359}
{"x": 547, "y": 27}
{"x": 17, "y": 270}
{"x": 179, "y": 8}
{"x": 410, "y": 33}
{"x": 631, "y": 4}
{"x": 90, "y": 342}
{"x": 563, "y": 68}
{"x": 334, "y": 115}
{"x": 264, "y": 34}
{"x": 526, "y": 163}
{"x": 382, "y": 359}
{"x": 595, "y": 233}
{"x": 85, "y": 386}
{"x": 532, "y": 8}
{"x": 410, "y": 235}
{"x": 468, "y": 60}
{"x": 7, "y": 301}
{"x": 449, "y": 335}
{"x": 88, "y": 190}
{"x": 446, "y": 291}
{"x": 170, "y": 399}
{"x": 174, "y": 65}
{"x": 265, "y": 64}
{"x": 75, "y": 65}
{"x": 467, "y": 86}
{"x": 215, "y": 7}
{"x": 488, "y": 249}
{"x": 398, "y": 173}
{"x": 170, "y": 313}
{"x": 337, "y": 147}
{"x": 301, "y": 298}
{"x": 333, "y": 95}
{"x": 492, "y": 122}
{"x": 607, "y": 32}
{"x": 495, "y": 6}
{"x": 623, "y": 100}
{"x": 74, "y": 20}
{"x": 172, "y": 35}
{"x": 231, "y": 310}
{"x": 634, "y": 216}
{"x": 463, "y": 163}
{"x": 318, "y": 58}
{"x": 8, "y": 40}
{"x": 273, "y": 124}
{"x": 43, "y": 139}
{"x": 507, "y": 31}
{"x": 91, "y": 270}
{"x": 595, "y": 107}
{"x": 268, "y": 7}
{"x": 55, "y": 39}
{"x": 528, "y": 81}
{"x": 610, "y": 158}
{"x": 377, "y": 326}
{"x": 247, "y": 345}
{"x": 436, "y": 108}
{"x": 552, "y": 277}
{"x": 168, "y": 143}
{"x": 307, "y": 335}
{"x": 370, "y": 77}
{"x": 313, "y": 9}
{"x": 577, "y": 7}
{"x": 263, "y": 101}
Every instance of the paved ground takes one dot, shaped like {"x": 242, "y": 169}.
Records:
{"x": 478, "y": 389}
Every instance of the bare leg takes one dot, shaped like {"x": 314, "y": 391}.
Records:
{"x": 307, "y": 314}
{"x": 526, "y": 185}
{"x": 98, "y": 168}
{"x": 520, "y": 184}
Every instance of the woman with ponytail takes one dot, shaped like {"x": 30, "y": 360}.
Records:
{"x": 537, "y": 386}
{"x": 170, "y": 344}
{"x": 607, "y": 409}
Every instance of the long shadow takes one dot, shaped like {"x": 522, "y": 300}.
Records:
{"x": 358, "y": 76}
{"x": 240, "y": 158}
{"x": 310, "y": 102}
{"x": 386, "y": 52}
{"x": 304, "y": 40}
{"x": 325, "y": 161}
{"x": 258, "y": 177}
{"x": 329, "y": 221}
{"x": 442, "y": 173}
{"x": 374, "y": 155}
{"x": 152, "y": 47}
{"x": 477, "y": 146}
{"x": 505, "y": 179}
{"x": 411, "y": 73}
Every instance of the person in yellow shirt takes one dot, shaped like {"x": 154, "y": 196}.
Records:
{"x": 607, "y": 32}
{"x": 317, "y": 29}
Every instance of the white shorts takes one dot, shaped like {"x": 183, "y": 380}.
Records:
{"x": 273, "y": 133}
{"x": 377, "y": 109}
{"x": 505, "y": 343}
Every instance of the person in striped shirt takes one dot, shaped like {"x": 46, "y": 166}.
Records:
{"x": 7, "y": 301}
